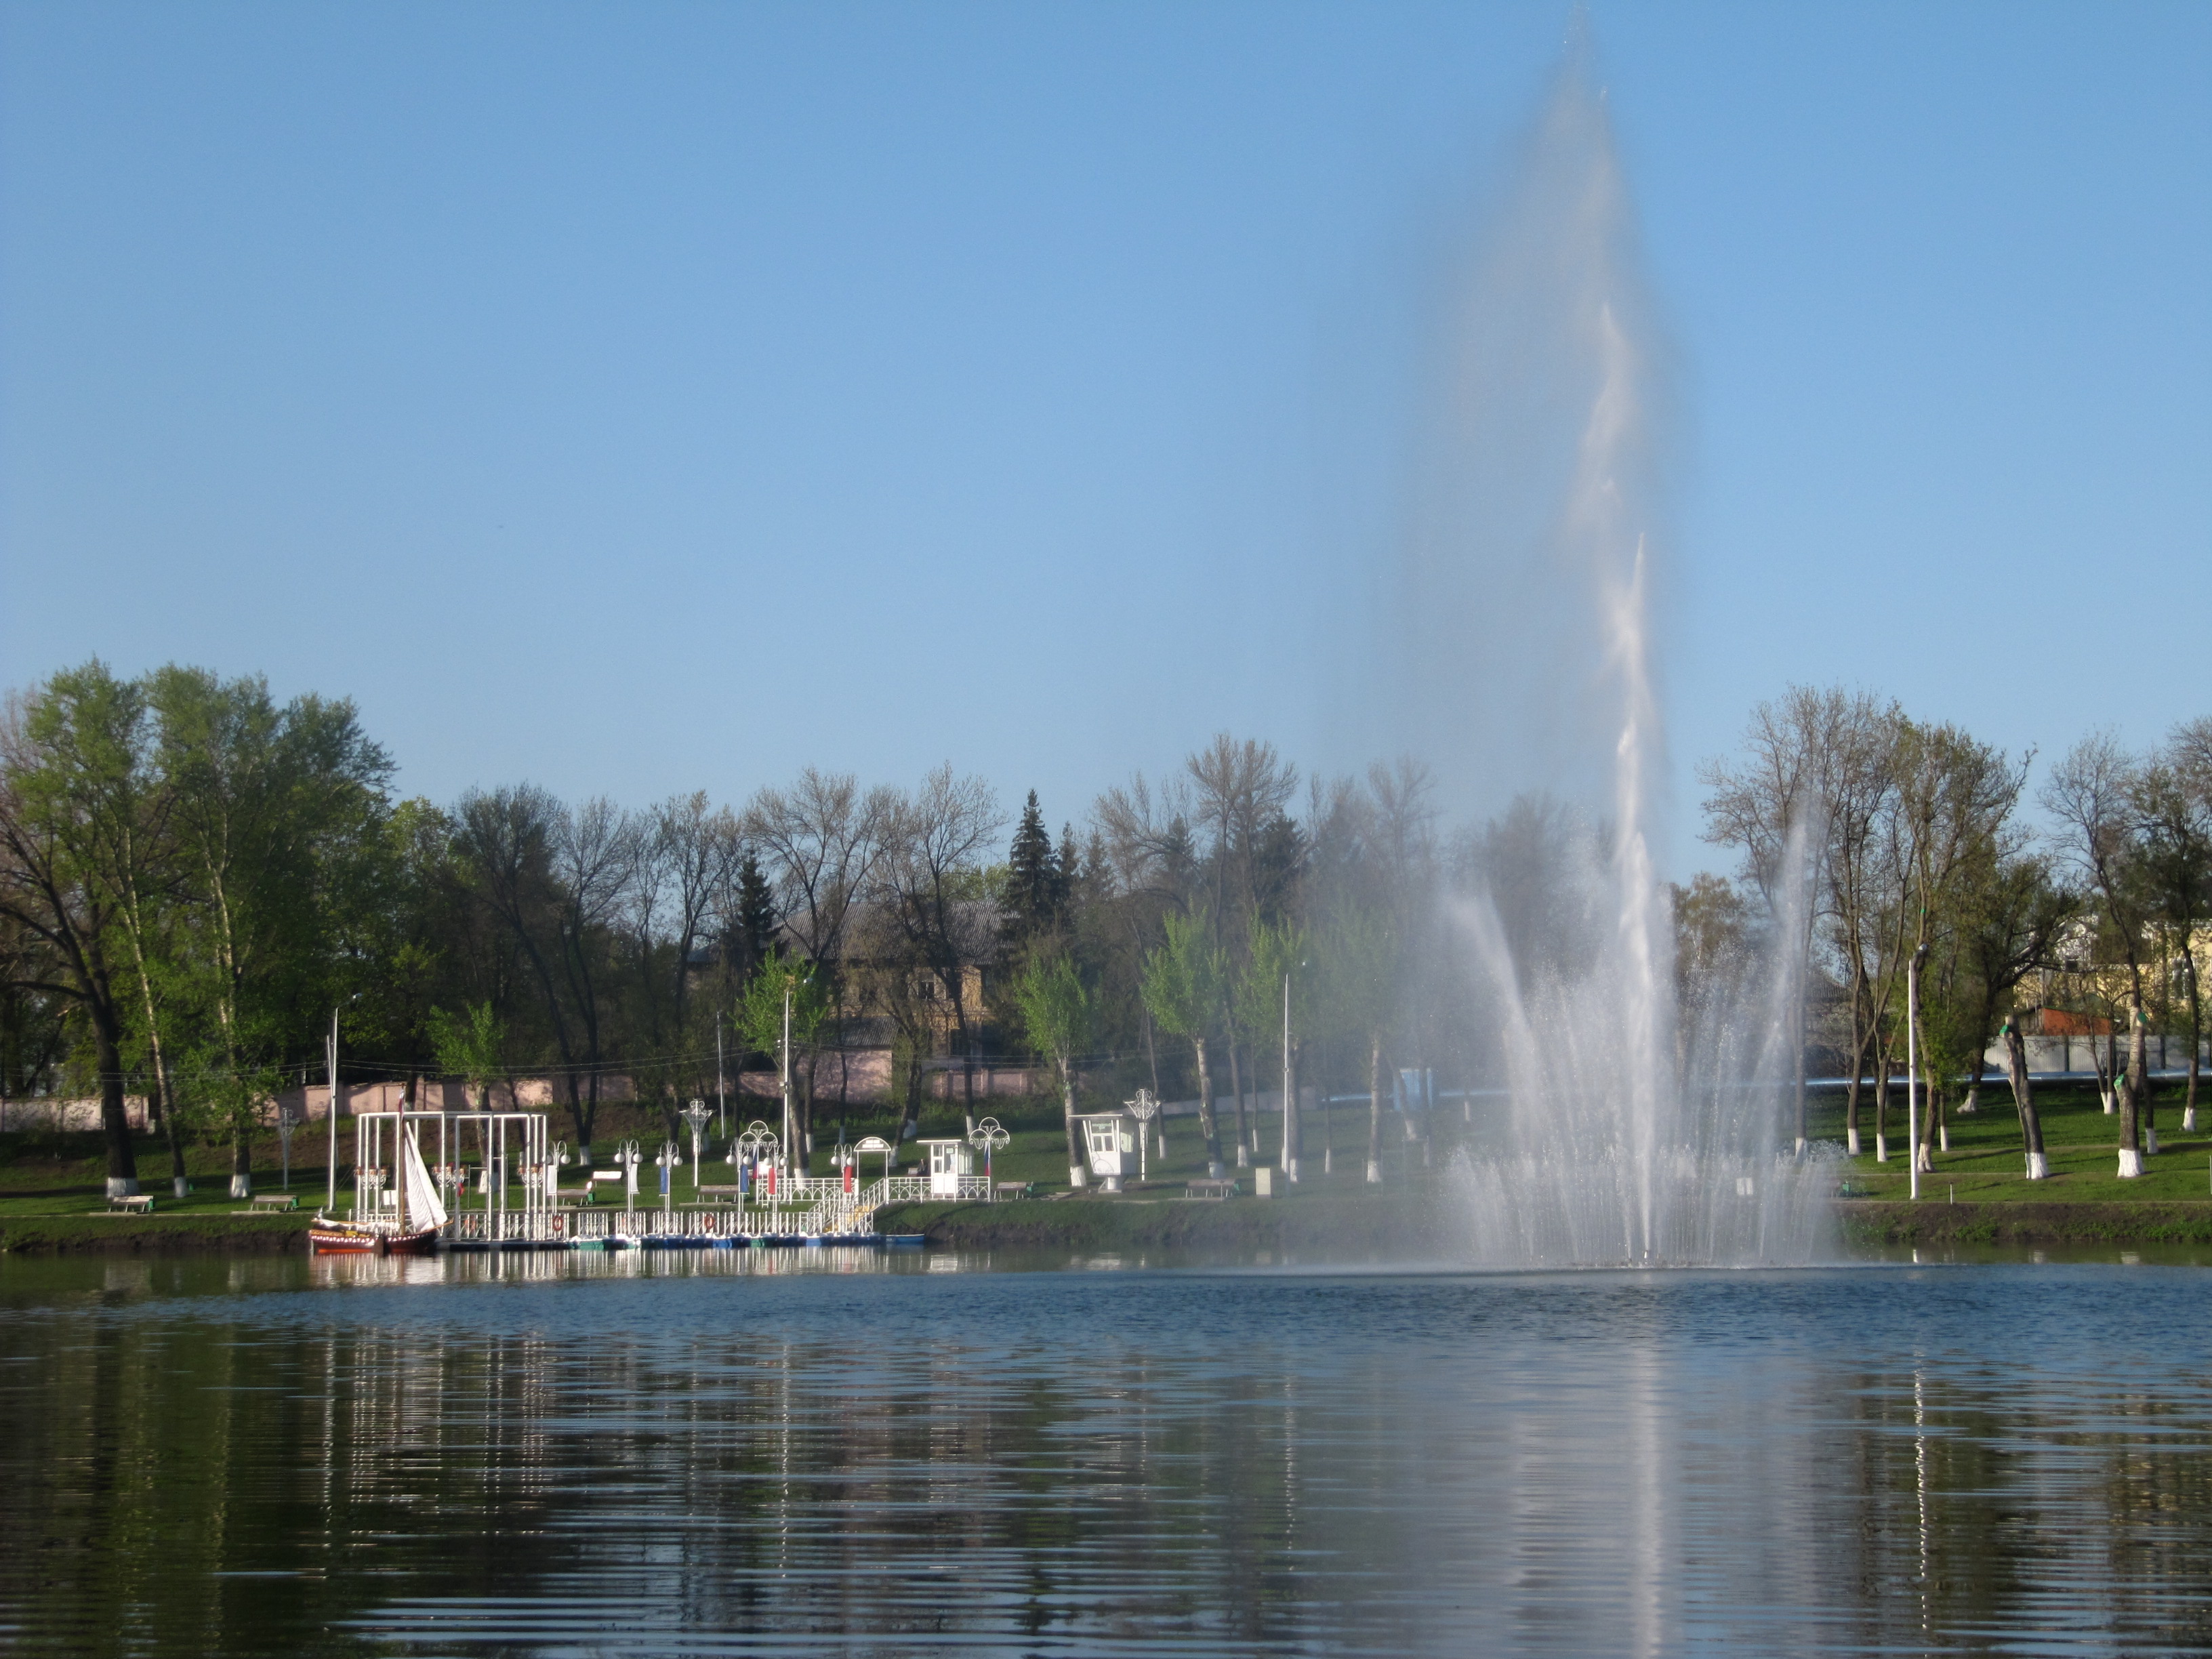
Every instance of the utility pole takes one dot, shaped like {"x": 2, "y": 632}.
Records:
{"x": 787, "y": 1067}
{"x": 1290, "y": 1104}
{"x": 330, "y": 1204}
{"x": 1912, "y": 1071}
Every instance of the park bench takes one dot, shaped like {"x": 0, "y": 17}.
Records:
{"x": 709, "y": 1190}
{"x": 272, "y": 1201}
{"x": 1013, "y": 1189}
{"x": 137, "y": 1203}
{"x": 1206, "y": 1187}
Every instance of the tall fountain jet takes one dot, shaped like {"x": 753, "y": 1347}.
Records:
{"x": 1631, "y": 1131}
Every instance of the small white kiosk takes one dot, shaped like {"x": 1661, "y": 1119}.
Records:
{"x": 1111, "y": 1141}
{"x": 948, "y": 1161}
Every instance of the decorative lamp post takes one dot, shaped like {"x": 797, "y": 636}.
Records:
{"x": 987, "y": 1137}
{"x": 629, "y": 1159}
{"x": 285, "y": 1124}
{"x": 695, "y": 1115}
{"x": 1144, "y": 1108}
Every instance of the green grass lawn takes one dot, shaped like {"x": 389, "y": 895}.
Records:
{"x": 1986, "y": 1161}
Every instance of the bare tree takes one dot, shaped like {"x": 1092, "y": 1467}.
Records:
{"x": 929, "y": 886}
{"x": 2091, "y": 794}
{"x": 820, "y": 839}
{"x": 2173, "y": 797}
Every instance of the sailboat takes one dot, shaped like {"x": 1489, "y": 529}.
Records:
{"x": 415, "y": 1228}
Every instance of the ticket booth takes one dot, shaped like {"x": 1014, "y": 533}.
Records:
{"x": 948, "y": 1161}
{"x": 1111, "y": 1141}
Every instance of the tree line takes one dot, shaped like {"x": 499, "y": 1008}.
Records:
{"x": 195, "y": 877}
{"x": 1895, "y": 864}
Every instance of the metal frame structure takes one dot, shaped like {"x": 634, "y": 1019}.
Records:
{"x": 502, "y": 1138}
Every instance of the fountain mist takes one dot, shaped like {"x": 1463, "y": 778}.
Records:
{"x": 1632, "y": 1131}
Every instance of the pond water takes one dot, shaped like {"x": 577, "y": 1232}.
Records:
{"x": 757, "y": 1453}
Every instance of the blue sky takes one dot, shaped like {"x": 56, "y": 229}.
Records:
{"x": 649, "y": 397}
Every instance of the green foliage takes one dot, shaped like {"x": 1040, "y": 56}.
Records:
{"x": 471, "y": 1046}
{"x": 1185, "y": 977}
{"x": 1055, "y": 1005}
{"x": 758, "y": 1015}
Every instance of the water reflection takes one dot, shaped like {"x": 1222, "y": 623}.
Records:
{"x": 734, "y": 1451}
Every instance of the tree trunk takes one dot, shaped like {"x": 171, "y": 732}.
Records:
{"x": 2196, "y": 1037}
{"x": 1075, "y": 1178}
{"x": 1208, "y": 1125}
{"x": 1293, "y": 1124}
{"x": 2130, "y": 1101}
{"x": 114, "y": 1110}
{"x": 1880, "y": 1104}
{"x": 2023, "y": 1097}
{"x": 1375, "y": 1109}
{"x": 242, "y": 1164}
{"x": 1244, "y": 1141}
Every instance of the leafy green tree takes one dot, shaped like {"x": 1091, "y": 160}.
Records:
{"x": 1056, "y": 1012}
{"x": 72, "y": 781}
{"x": 1358, "y": 958}
{"x": 471, "y": 1046}
{"x": 273, "y": 809}
{"x": 759, "y": 1020}
{"x": 1275, "y": 999}
{"x": 1182, "y": 989}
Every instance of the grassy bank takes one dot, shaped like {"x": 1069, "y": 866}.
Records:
{"x": 203, "y": 1234}
{"x": 1986, "y": 1164}
{"x": 1877, "y": 1222}
{"x": 1976, "y": 1193}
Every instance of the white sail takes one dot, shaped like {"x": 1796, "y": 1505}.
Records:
{"x": 418, "y": 1193}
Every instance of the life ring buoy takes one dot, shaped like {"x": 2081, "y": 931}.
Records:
{"x": 560, "y": 1224}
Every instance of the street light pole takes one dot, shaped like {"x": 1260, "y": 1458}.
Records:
{"x": 785, "y": 1139}
{"x": 1913, "y": 1066}
{"x": 1291, "y": 1147}
{"x": 330, "y": 1203}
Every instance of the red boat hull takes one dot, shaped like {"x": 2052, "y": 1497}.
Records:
{"x": 347, "y": 1238}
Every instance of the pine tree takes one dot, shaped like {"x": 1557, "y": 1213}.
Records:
{"x": 1034, "y": 882}
{"x": 753, "y": 938}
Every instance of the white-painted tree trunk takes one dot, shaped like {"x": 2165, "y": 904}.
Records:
{"x": 241, "y": 1186}
{"x": 1881, "y": 1147}
{"x": 1374, "y": 1173}
{"x": 1851, "y": 1139}
{"x": 2150, "y": 1143}
{"x": 1944, "y": 1136}
{"x": 2038, "y": 1167}
{"x": 1924, "y": 1156}
{"x": 2106, "y": 1095}
{"x": 1075, "y": 1177}
{"x": 1243, "y": 1155}
{"x": 2130, "y": 1163}
{"x": 1972, "y": 1103}
{"x": 2189, "y": 1119}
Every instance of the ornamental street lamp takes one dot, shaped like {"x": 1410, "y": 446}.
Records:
{"x": 987, "y": 1137}
{"x": 1144, "y": 1109}
{"x": 285, "y": 1124}
{"x": 696, "y": 1114}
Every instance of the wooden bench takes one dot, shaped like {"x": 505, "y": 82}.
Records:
{"x": 1013, "y": 1189}
{"x": 710, "y": 1191}
{"x": 139, "y": 1203}
{"x": 270, "y": 1201}
{"x": 1206, "y": 1187}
